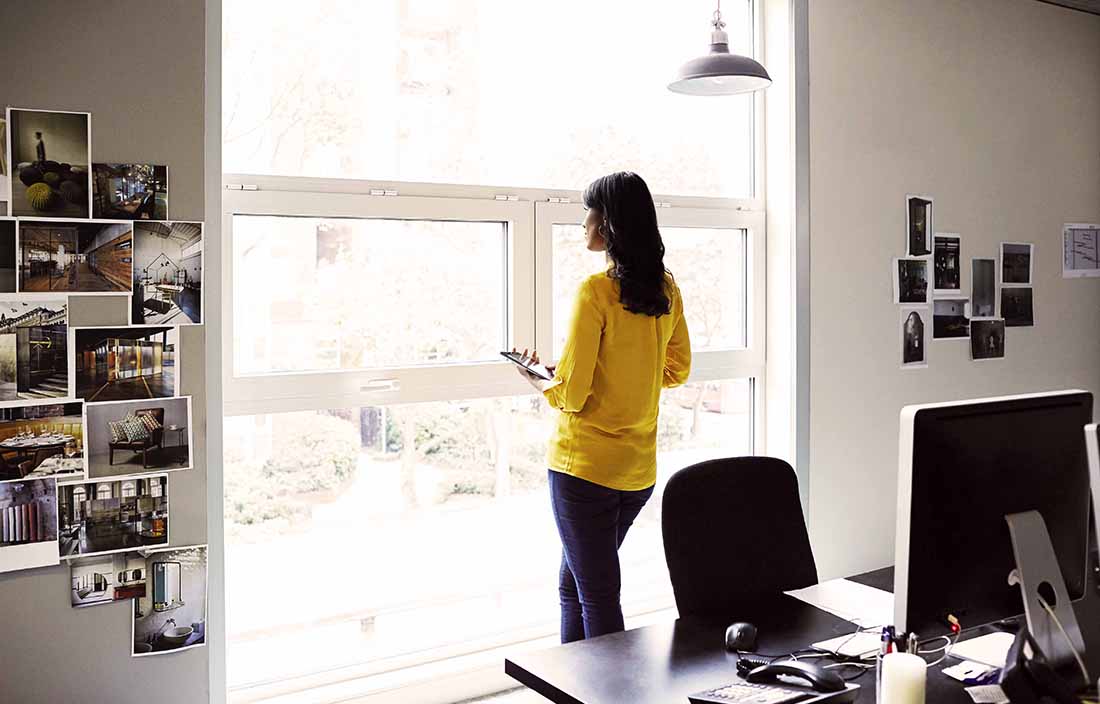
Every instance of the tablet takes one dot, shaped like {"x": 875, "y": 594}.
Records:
{"x": 534, "y": 367}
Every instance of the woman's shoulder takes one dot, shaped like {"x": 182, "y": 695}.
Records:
{"x": 598, "y": 285}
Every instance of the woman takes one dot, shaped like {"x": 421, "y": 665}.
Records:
{"x": 628, "y": 339}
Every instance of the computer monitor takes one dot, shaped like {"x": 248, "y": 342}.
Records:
{"x": 1092, "y": 448}
{"x": 962, "y": 467}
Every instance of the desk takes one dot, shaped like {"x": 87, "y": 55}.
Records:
{"x": 663, "y": 663}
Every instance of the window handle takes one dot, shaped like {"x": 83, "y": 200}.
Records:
{"x": 381, "y": 385}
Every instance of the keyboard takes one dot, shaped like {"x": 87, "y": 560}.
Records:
{"x": 748, "y": 693}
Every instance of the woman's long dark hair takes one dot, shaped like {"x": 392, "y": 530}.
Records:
{"x": 633, "y": 241}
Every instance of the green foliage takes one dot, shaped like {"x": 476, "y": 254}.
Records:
{"x": 40, "y": 196}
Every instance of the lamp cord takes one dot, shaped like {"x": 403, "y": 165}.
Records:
{"x": 1069, "y": 642}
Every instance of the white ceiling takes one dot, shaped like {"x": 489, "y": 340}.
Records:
{"x": 1092, "y": 6}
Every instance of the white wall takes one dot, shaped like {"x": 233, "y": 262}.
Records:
{"x": 993, "y": 108}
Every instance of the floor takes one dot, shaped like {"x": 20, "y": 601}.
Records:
{"x": 83, "y": 279}
{"x": 515, "y": 696}
{"x": 90, "y": 388}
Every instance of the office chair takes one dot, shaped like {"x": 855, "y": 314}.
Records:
{"x": 734, "y": 536}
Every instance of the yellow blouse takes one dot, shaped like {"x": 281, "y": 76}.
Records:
{"x": 608, "y": 383}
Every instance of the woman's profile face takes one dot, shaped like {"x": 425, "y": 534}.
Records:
{"x": 593, "y": 240}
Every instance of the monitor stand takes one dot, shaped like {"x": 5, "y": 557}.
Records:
{"x": 1038, "y": 574}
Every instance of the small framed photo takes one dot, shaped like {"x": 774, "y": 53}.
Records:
{"x": 914, "y": 338}
{"x": 947, "y": 263}
{"x": 987, "y": 339}
{"x": 911, "y": 281}
{"x": 983, "y": 288}
{"x": 950, "y": 319}
{"x": 1017, "y": 307}
{"x": 1017, "y": 263}
{"x": 1080, "y": 250}
{"x": 918, "y": 225}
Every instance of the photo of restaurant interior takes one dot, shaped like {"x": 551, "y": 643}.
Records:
{"x": 108, "y": 516}
{"x": 167, "y": 273}
{"x": 76, "y": 257}
{"x": 117, "y": 364}
{"x": 130, "y": 191}
{"x": 41, "y": 441}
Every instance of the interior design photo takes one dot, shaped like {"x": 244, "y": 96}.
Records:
{"x": 28, "y": 524}
{"x": 918, "y": 225}
{"x": 167, "y": 273}
{"x": 130, "y": 191}
{"x": 171, "y": 616}
{"x": 911, "y": 283}
{"x": 106, "y": 578}
{"x": 42, "y": 440}
{"x": 1016, "y": 263}
{"x": 88, "y": 257}
{"x": 50, "y": 155}
{"x": 983, "y": 288}
{"x": 5, "y": 172}
{"x": 914, "y": 339}
{"x": 949, "y": 319}
{"x": 133, "y": 437}
{"x": 7, "y": 254}
{"x": 987, "y": 339}
{"x": 122, "y": 363}
{"x": 1017, "y": 307}
{"x": 34, "y": 338}
{"x": 112, "y": 516}
{"x": 947, "y": 263}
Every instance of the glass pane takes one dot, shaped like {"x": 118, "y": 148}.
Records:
{"x": 708, "y": 264}
{"x": 482, "y": 92}
{"x": 423, "y": 526}
{"x": 323, "y": 293}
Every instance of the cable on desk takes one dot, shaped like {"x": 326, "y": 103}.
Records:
{"x": 1058, "y": 623}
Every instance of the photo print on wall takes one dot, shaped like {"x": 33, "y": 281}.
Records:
{"x": 918, "y": 225}
{"x": 171, "y": 616}
{"x": 1017, "y": 307}
{"x": 42, "y": 440}
{"x": 983, "y": 288}
{"x": 103, "y": 517}
{"x": 987, "y": 339}
{"x": 1016, "y": 263}
{"x": 949, "y": 319}
{"x": 50, "y": 157}
{"x": 914, "y": 338}
{"x": 130, "y": 191}
{"x": 134, "y": 437}
{"x": 5, "y": 168}
{"x": 107, "y": 578}
{"x": 168, "y": 260}
{"x": 28, "y": 524}
{"x": 911, "y": 283}
{"x": 34, "y": 341}
{"x": 947, "y": 263}
{"x": 72, "y": 257}
{"x": 123, "y": 363}
{"x": 7, "y": 255}
{"x": 1080, "y": 250}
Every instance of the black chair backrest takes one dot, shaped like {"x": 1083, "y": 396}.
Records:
{"x": 734, "y": 536}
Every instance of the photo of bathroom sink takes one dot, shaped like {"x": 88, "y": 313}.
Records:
{"x": 177, "y": 636}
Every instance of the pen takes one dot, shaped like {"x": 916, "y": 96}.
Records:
{"x": 912, "y": 643}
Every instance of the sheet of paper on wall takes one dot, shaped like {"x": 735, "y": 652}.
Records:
{"x": 862, "y": 605}
{"x": 1080, "y": 250}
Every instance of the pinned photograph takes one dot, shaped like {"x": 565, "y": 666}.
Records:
{"x": 911, "y": 281}
{"x": 86, "y": 257}
{"x": 42, "y": 440}
{"x": 1080, "y": 250}
{"x": 28, "y": 524}
{"x": 50, "y": 159}
{"x": 914, "y": 338}
{"x": 107, "y": 578}
{"x": 947, "y": 263}
{"x": 7, "y": 255}
{"x": 983, "y": 288}
{"x": 167, "y": 273}
{"x": 1016, "y": 307}
{"x": 134, "y": 437}
{"x": 123, "y": 363}
{"x": 1016, "y": 263}
{"x": 918, "y": 225}
{"x": 130, "y": 191}
{"x": 34, "y": 339}
{"x": 171, "y": 616}
{"x": 987, "y": 339}
{"x": 96, "y": 518}
{"x": 5, "y": 168}
{"x": 949, "y": 319}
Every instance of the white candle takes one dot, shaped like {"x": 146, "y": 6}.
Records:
{"x": 903, "y": 676}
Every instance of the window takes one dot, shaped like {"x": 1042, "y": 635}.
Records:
{"x": 129, "y": 490}
{"x": 103, "y": 491}
{"x": 372, "y": 431}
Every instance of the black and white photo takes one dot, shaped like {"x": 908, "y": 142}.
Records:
{"x": 28, "y": 524}
{"x": 171, "y": 616}
{"x": 946, "y": 263}
{"x": 1080, "y": 250}
{"x": 5, "y": 168}
{"x": 130, "y": 191}
{"x": 134, "y": 437}
{"x": 167, "y": 273}
{"x": 1016, "y": 263}
{"x": 949, "y": 319}
{"x": 97, "y": 517}
{"x": 1017, "y": 307}
{"x": 911, "y": 283}
{"x": 918, "y": 225}
{"x": 914, "y": 338}
{"x": 987, "y": 339}
{"x": 50, "y": 157}
{"x": 983, "y": 288}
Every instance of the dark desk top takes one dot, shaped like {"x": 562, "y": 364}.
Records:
{"x": 666, "y": 662}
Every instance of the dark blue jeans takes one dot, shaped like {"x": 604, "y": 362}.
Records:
{"x": 592, "y": 522}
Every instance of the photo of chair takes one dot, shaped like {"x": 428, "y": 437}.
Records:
{"x": 154, "y": 440}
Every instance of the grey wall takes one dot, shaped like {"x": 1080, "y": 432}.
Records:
{"x": 149, "y": 115}
{"x": 990, "y": 106}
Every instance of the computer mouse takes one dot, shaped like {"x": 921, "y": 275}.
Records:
{"x": 740, "y": 636}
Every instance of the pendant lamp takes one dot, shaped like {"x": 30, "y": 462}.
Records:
{"x": 720, "y": 72}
